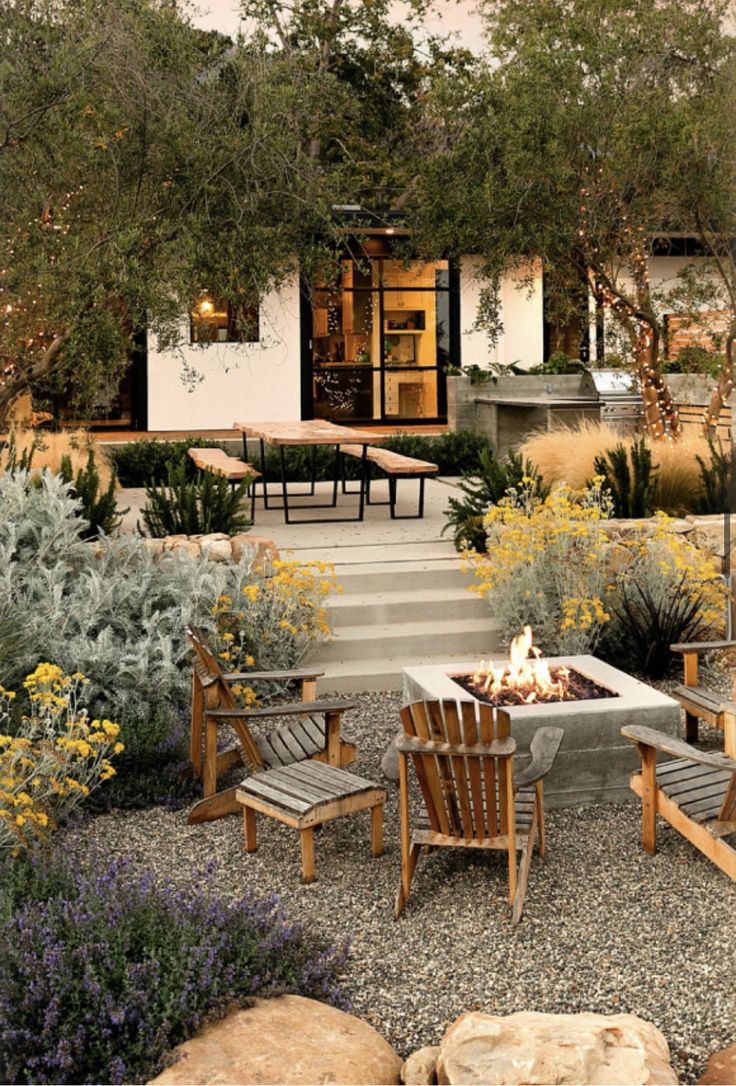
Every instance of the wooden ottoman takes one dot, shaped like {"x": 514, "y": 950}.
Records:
{"x": 305, "y": 795}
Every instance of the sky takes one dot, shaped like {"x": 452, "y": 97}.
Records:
{"x": 459, "y": 19}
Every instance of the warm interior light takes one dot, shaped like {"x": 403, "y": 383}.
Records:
{"x": 206, "y": 307}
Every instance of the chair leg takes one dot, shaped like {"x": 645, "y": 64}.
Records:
{"x": 306, "y": 840}
{"x": 648, "y": 798}
{"x": 526, "y": 859}
{"x": 377, "y": 830}
{"x": 407, "y": 874}
{"x": 539, "y": 788}
{"x": 249, "y": 827}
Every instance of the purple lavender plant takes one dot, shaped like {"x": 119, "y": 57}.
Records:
{"x": 102, "y": 973}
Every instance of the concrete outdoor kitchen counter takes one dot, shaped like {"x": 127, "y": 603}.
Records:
{"x": 594, "y": 762}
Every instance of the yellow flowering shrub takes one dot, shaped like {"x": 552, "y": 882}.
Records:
{"x": 274, "y": 621}
{"x": 52, "y": 759}
{"x": 545, "y": 566}
{"x": 554, "y": 564}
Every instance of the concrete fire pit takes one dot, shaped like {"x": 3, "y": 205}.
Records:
{"x": 594, "y": 762}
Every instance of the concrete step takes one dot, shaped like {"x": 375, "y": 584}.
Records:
{"x": 384, "y": 673}
{"x": 410, "y": 641}
{"x": 355, "y": 554}
{"x": 417, "y": 577}
{"x": 383, "y": 607}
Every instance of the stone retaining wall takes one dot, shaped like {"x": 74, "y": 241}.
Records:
{"x": 217, "y": 546}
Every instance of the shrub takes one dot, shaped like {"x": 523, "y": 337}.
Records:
{"x": 139, "y": 463}
{"x": 631, "y": 487}
{"x": 45, "y": 452}
{"x": 118, "y": 614}
{"x": 100, "y": 510}
{"x": 694, "y": 360}
{"x": 465, "y": 515}
{"x": 198, "y": 507}
{"x": 568, "y": 454}
{"x": 103, "y": 973}
{"x": 554, "y": 565}
{"x": 53, "y": 759}
{"x": 543, "y": 567}
{"x": 715, "y": 478}
{"x": 559, "y": 363}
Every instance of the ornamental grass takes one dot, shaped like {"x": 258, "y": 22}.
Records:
{"x": 567, "y": 455}
{"x": 47, "y": 450}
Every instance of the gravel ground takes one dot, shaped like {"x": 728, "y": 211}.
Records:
{"x": 606, "y": 928}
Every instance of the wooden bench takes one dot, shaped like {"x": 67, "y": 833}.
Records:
{"x": 305, "y": 795}
{"x": 234, "y": 470}
{"x": 395, "y": 466}
{"x": 701, "y": 704}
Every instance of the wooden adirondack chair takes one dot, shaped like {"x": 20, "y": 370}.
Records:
{"x": 473, "y": 798}
{"x": 313, "y": 731}
{"x": 701, "y": 704}
{"x": 695, "y": 793}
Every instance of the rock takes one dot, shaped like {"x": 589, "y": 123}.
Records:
{"x": 390, "y": 760}
{"x": 721, "y": 1069}
{"x": 264, "y": 549}
{"x": 289, "y": 1040}
{"x": 183, "y": 546}
{"x": 419, "y": 1069}
{"x": 217, "y": 550}
{"x": 212, "y": 537}
{"x": 172, "y": 541}
{"x": 155, "y": 546}
{"x": 566, "y": 1049}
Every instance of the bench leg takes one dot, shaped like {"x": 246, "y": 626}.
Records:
{"x": 392, "y": 486}
{"x": 249, "y": 827}
{"x": 377, "y": 830}
{"x": 306, "y": 840}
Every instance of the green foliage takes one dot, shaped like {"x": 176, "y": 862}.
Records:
{"x": 10, "y": 461}
{"x": 483, "y": 488}
{"x": 695, "y": 360}
{"x": 100, "y": 510}
{"x": 632, "y": 485}
{"x": 715, "y": 477}
{"x": 117, "y": 614}
{"x": 199, "y": 507}
{"x": 559, "y": 363}
{"x": 139, "y": 463}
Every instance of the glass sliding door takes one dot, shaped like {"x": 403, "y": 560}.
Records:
{"x": 380, "y": 339}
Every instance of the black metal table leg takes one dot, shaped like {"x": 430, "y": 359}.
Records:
{"x": 263, "y": 473}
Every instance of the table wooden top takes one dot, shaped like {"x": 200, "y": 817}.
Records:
{"x": 308, "y": 432}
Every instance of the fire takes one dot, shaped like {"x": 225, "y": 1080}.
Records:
{"x": 529, "y": 678}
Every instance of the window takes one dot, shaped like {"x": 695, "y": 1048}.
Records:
{"x": 214, "y": 320}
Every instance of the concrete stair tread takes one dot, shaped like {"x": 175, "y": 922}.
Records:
{"x": 414, "y": 629}
{"x": 451, "y": 594}
{"x": 382, "y": 674}
{"x": 371, "y": 556}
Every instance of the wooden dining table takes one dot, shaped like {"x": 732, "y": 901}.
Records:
{"x": 308, "y": 433}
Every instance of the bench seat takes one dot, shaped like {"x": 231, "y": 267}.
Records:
{"x": 234, "y": 470}
{"x": 395, "y": 466}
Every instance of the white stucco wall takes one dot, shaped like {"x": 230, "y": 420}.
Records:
{"x": 522, "y": 339}
{"x": 240, "y": 381}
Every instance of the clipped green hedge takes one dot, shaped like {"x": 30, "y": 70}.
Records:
{"x": 139, "y": 463}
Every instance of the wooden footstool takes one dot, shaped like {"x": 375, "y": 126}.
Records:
{"x": 306, "y": 794}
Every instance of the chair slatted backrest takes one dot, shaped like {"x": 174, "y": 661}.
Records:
{"x": 468, "y": 795}
{"x": 218, "y": 695}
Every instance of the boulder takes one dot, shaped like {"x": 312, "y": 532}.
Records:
{"x": 289, "y": 1040}
{"x": 263, "y": 549}
{"x": 531, "y": 1048}
{"x": 217, "y": 550}
{"x": 721, "y": 1069}
{"x": 420, "y": 1068}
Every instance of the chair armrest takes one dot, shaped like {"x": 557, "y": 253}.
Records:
{"x": 648, "y": 737}
{"x": 274, "y": 676}
{"x": 699, "y": 647}
{"x": 301, "y": 708}
{"x": 499, "y": 748}
{"x": 544, "y": 746}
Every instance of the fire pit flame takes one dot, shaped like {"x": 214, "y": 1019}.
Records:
{"x": 528, "y": 678}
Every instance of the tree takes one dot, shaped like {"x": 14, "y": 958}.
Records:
{"x": 568, "y": 149}
{"x": 142, "y": 161}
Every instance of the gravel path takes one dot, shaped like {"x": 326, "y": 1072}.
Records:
{"x": 605, "y": 928}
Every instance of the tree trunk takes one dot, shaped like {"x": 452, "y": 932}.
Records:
{"x": 16, "y": 384}
{"x": 721, "y": 393}
{"x": 660, "y": 413}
